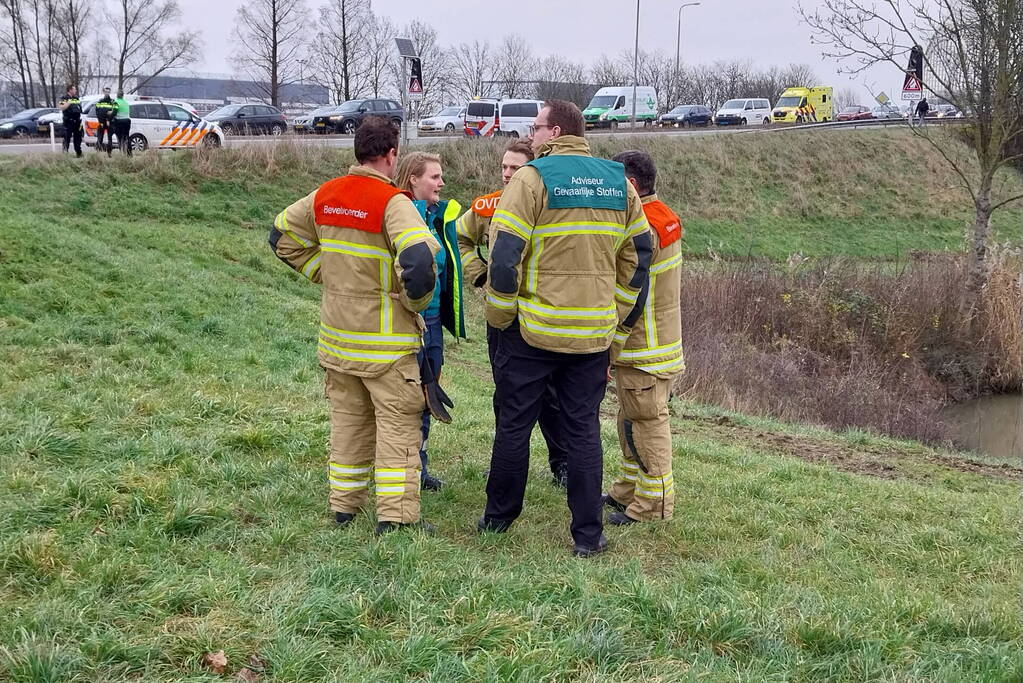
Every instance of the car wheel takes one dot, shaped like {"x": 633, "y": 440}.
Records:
{"x": 450, "y": 128}
{"x": 277, "y": 129}
{"x": 21, "y": 132}
{"x": 211, "y": 141}
{"x": 742, "y": 123}
{"x": 614, "y": 125}
{"x": 348, "y": 127}
{"x": 227, "y": 128}
{"x": 138, "y": 143}
{"x": 767, "y": 121}
{"x": 396, "y": 123}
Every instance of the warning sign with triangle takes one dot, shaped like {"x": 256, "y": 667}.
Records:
{"x": 911, "y": 84}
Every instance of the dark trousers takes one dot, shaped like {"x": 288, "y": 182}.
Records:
{"x": 521, "y": 375}
{"x": 106, "y": 127}
{"x": 73, "y": 132}
{"x": 433, "y": 348}
{"x": 123, "y": 129}
{"x": 550, "y": 415}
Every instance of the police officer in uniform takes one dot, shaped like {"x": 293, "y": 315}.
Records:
{"x": 472, "y": 229}
{"x": 648, "y": 364}
{"x": 106, "y": 110}
{"x": 366, "y": 243}
{"x": 71, "y": 108}
{"x": 569, "y": 253}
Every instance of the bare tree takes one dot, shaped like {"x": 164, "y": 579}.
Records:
{"x": 13, "y": 43}
{"x": 562, "y": 79}
{"x": 74, "y": 21}
{"x": 843, "y": 98}
{"x": 269, "y": 45}
{"x": 342, "y": 47}
{"x": 438, "y": 76}
{"x": 144, "y": 51}
{"x": 610, "y": 72}
{"x": 514, "y": 66}
{"x": 973, "y": 59}
{"x": 473, "y": 66}
{"x": 380, "y": 60}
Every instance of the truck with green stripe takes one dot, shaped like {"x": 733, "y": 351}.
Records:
{"x": 613, "y": 106}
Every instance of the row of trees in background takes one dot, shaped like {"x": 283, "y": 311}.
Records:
{"x": 46, "y": 44}
{"x": 352, "y": 52}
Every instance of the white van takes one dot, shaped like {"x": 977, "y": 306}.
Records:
{"x": 612, "y": 106}
{"x": 486, "y": 118}
{"x": 744, "y": 111}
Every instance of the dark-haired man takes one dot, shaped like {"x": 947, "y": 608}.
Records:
{"x": 71, "y": 109}
{"x": 473, "y": 231}
{"x": 650, "y": 360}
{"x": 366, "y": 243}
{"x": 106, "y": 110}
{"x": 569, "y": 252}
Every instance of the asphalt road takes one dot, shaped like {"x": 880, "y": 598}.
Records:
{"x": 42, "y": 146}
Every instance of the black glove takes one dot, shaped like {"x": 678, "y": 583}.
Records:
{"x": 436, "y": 398}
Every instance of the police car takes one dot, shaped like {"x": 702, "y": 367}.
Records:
{"x": 161, "y": 124}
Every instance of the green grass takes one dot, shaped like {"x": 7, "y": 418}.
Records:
{"x": 163, "y": 494}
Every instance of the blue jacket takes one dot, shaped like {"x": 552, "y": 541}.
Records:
{"x": 449, "y": 266}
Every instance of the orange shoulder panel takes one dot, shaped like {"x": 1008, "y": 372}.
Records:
{"x": 355, "y": 202}
{"x": 487, "y": 204}
{"x": 664, "y": 221}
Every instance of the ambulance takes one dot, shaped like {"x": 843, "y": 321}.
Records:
{"x": 804, "y": 105}
{"x": 613, "y": 106}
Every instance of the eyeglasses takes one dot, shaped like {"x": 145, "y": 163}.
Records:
{"x": 541, "y": 125}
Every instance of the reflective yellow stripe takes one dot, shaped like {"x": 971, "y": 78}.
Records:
{"x": 346, "y": 485}
{"x": 352, "y": 249}
{"x": 349, "y": 470}
{"x": 565, "y": 331}
{"x": 637, "y": 227}
{"x": 510, "y": 220}
{"x": 649, "y": 319}
{"x": 620, "y": 337}
{"x": 501, "y": 302}
{"x": 406, "y": 236}
{"x": 580, "y": 228}
{"x": 652, "y": 351}
{"x": 533, "y": 267}
{"x": 281, "y": 222}
{"x": 366, "y": 355}
{"x": 311, "y": 266}
{"x": 665, "y": 366}
{"x": 368, "y": 337}
{"x": 600, "y": 313}
{"x": 667, "y": 264}
{"x": 625, "y": 296}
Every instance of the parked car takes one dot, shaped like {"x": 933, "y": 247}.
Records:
{"x": 162, "y": 124}
{"x": 487, "y": 118}
{"x": 942, "y": 111}
{"x": 854, "y": 112}
{"x": 24, "y": 123}
{"x": 886, "y": 111}
{"x": 744, "y": 111}
{"x": 245, "y": 119}
{"x": 448, "y": 119}
{"x": 347, "y": 117}
{"x": 304, "y": 122}
{"x": 686, "y": 116}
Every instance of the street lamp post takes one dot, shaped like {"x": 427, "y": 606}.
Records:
{"x": 635, "y": 67}
{"x": 678, "y": 39}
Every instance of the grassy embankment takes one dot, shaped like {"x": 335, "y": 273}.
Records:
{"x": 162, "y": 492}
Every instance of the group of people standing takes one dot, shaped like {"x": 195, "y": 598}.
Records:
{"x": 112, "y": 114}
{"x": 580, "y": 265}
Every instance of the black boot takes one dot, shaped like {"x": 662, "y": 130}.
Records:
{"x": 583, "y": 551}
{"x": 619, "y": 518}
{"x": 612, "y": 503}
{"x": 432, "y": 483}
{"x": 421, "y": 525}
{"x": 343, "y": 519}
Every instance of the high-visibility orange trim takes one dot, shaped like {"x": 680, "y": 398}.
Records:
{"x": 180, "y": 135}
{"x": 191, "y": 134}
{"x": 355, "y": 202}
{"x": 487, "y": 204}
{"x": 664, "y": 221}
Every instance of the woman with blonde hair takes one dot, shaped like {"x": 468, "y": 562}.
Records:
{"x": 421, "y": 176}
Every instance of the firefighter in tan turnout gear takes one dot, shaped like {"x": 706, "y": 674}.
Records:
{"x": 366, "y": 243}
{"x": 569, "y": 252}
{"x": 644, "y": 370}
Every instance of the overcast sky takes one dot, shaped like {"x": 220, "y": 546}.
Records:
{"x": 769, "y": 33}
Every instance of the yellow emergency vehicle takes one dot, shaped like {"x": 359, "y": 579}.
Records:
{"x": 804, "y": 105}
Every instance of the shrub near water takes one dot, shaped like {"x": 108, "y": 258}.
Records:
{"x": 845, "y": 345}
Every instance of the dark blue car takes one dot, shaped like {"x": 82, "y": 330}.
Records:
{"x": 23, "y": 124}
{"x": 686, "y": 116}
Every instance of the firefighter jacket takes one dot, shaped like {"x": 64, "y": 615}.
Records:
{"x": 363, "y": 240}
{"x": 473, "y": 228}
{"x": 569, "y": 251}
{"x": 449, "y": 289}
{"x": 105, "y": 109}
{"x": 655, "y": 343}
